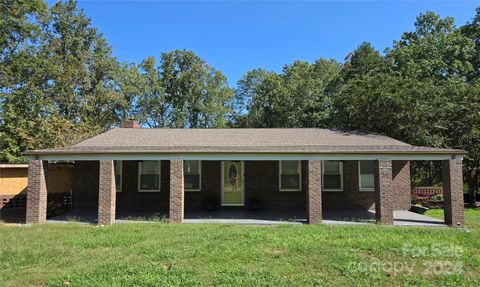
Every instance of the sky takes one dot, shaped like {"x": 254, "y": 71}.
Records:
{"x": 237, "y": 36}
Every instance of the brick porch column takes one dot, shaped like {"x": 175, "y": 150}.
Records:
{"x": 314, "y": 191}
{"x": 106, "y": 193}
{"x": 383, "y": 191}
{"x": 37, "y": 191}
{"x": 177, "y": 196}
{"x": 453, "y": 192}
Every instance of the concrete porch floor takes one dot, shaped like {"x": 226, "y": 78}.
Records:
{"x": 334, "y": 217}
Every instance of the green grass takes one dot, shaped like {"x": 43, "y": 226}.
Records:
{"x": 162, "y": 254}
{"x": 472, "y": 216}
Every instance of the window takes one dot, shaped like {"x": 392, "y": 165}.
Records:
{"x": 290, "y": 175}
{"x": 149, "y": 176}
{"x": 192, "y": 175}
{"x": 118, "y": 175}
{"x": 366, "y": 179}
{"x": 332, "y": 175}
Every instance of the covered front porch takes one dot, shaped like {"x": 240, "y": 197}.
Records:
{"x": 310, "y": 204}
{"x": 331, "y": 217}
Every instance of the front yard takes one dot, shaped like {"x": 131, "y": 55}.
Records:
{"x": 162, "y": 254}
{"x": 472, "y": 216}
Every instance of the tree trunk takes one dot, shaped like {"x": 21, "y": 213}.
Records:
{"x": 472, "y": 180}
{"x": 471, "y": 196}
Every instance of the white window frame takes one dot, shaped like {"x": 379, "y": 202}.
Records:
{"x": 299, "y": 171}
{"x": 159, "y": 164}
{"x": 341, "y": 177}
{"x": 119, "y": 167}
{"x": 360, "y": 180}
{"x": 199, "y": 177}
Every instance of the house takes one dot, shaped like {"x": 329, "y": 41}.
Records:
{"x": 181, "y": 170}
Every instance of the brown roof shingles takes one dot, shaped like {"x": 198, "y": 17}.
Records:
{"x": 125, "y": 140}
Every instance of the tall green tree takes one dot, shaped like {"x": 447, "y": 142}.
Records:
{"x": 183, "y": 91}
{"x": 60, "y": 79}
{"x": 301, "y": 96}
{"x": 153, "y": 107}
{"x": 364, "y": 61}
{"x": 83, "y": 72}
{"x": 248, "y": 109}
{"x": 424, "y": 94}
{"x": 20, "y": 76}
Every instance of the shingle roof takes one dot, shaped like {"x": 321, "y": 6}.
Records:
{"x": 131, "y": 140}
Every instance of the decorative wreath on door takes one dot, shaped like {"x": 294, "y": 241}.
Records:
{"x": 233, "y": 177}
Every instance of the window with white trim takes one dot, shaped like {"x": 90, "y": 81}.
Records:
{"x": 118, "y": 175}
{"x": 149, "y": 176}
{"x": 290, "y": 175}
{"x": 366, "y": 180}
{"x": 192, "y": 175}
{"x": 332, "y": 175}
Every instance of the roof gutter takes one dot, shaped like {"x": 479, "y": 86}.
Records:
{"x": 443, "y": 155}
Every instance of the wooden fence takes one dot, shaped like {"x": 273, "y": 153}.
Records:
{"x": 425, "y": 191}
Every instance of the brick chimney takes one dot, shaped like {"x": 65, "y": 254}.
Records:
{"x": 130, "y": 123}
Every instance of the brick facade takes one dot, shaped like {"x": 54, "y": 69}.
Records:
{"x": 129, "y": 199}
{"x": 85, "y": 186}
{"x": 383, "y": 191}
{"x": 261, "y": 187}
{"x": 106, "y": 193}
{"x": 351, "y": 197}
{"x": 314, "y": 191}
{"x": 85, "y": 192}
{"x": 177, "y": 196}
{"x": 402, "y": 186}
{"x": 37, "y": 192}
{"x": 453, "y": 192}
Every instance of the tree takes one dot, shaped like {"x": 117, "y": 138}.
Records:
{"x": 83, "y": 72}
{"x": 186, "y": 91}
{"x": 60, "y": 79}
{"x": 443, "y": 58}
{"x": 364, "y": 61}
{"x": 152, "y": 107}
{"x": 19, "y": 28}
{"x": 435, "y": 51}
{"x": 424, "y": 93}
{"x": 300, "y": 96}
{"x": 246, "y": 111}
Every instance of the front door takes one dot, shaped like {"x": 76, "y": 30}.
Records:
{"x": 232, "y": 183}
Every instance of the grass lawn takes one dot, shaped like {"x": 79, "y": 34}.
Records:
{"x": 472, "y": 216}
{"x": 162, "y": 254}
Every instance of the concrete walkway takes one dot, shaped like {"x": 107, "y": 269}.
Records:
{"x": 400, "y": 218}
{"x": 333, "y": 217}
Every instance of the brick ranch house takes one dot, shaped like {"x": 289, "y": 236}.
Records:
{"x": 180, "y": 170}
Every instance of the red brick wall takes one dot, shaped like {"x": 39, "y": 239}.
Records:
{"x": 314, "y": 193}
{"x": 383, "y": 191}
{"x": 453, "y": 192}
{"x": 37, "y": 192}
{"x": 85, "y": 186}
{"x": 106, "y": 203}
{"x": 351, "y": 197}
{"x": 261, "y": 183}
{"x": 401, "y": 185}
{"x": 85, "y": 193}
{"x": 211, "y": 182}
{"x": 177, "y": 197}
{"x": 132, "y": 200}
